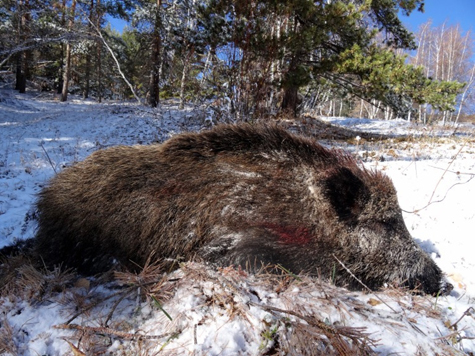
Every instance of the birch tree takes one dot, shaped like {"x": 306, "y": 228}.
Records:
{"x": 445, "y": 53}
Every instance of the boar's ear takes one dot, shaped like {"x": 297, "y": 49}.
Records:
{"x": 346, "y": 192}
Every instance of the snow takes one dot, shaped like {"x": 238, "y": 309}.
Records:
{"x": 228, "y": 312}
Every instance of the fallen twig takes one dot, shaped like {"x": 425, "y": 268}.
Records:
{"x": 440, "y": 200}
{"x": 430, "y": 202}
{"x": 112, "y": 332}
{"x": 49, "y": 159}
{"x": 364, "y": 285}
{"x": 467, "y": 312}
{"x": 334, "y": 334}
{"x": 454, "y": 172}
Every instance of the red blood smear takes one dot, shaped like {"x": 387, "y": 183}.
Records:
{"x": 290, "y": 234}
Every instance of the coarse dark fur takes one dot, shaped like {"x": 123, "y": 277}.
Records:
{"x": 232, "y": 195}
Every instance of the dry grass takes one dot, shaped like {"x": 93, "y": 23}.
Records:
{"x": 147, "y": 313}
{"x": 21, "y": 278}
{"x": 418, "y": 143}
{"x": 7, "y": 344}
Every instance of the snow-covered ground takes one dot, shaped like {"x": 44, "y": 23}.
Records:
{"x": 228, "y": 312}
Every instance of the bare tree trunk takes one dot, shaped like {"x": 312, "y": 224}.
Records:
{"x": 330, "y": 108}
{"x": 99, "y": 71}
{"x": 275, "y": 66}
{"x": 20, "y": 81}
{"x": 67, "y": 73}
{"x": 439, "y": 53}
{"x": 99, "y": 53}
{"x": 290, "y": 100}
{"x": 87, "y": 76}
{"x": 23, "y": 58}
{"x": 186, "y": 64}
{"x": 27, "y": 55}
{"x": 117, "y": 63}
{"x": 154, "y": 95}
{"x": 467, "y": 87}
{"x": 67, "y": 69}
{"x": 191, "y": 24}
{"x": 208, "y": 64}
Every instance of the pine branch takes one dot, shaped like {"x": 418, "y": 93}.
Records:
{"x": 113, "y": 332}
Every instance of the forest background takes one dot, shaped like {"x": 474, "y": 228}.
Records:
{"x": 244, "y": 59}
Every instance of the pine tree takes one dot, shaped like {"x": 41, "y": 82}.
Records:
{"x": 386, "y": 77}
{"x": 303, "y": 38}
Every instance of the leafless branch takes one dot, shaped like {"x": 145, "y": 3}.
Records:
{"x": 431, "y": 201}
{"x": 116, "y": 61}
{"x": 467, "y": 312}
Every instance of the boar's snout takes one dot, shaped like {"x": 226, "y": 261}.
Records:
{"x": 432, "y": 286}
{"x": 445, "y": 288}
{"x": 392, "y": 256}
{"x": 427, "y": 277}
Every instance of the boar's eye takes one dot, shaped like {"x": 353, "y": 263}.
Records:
{"x": 346, "y": 192}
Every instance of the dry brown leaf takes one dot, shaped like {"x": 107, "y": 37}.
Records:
{"x": 373, "y": 302}
{"x": 83, "y": 283}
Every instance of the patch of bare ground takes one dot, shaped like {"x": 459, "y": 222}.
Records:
{"x": 322, "y": 130}
{"x": 422, "y": 142}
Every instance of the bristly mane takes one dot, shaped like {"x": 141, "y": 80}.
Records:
{"x": 261, "y": 140}
{"x": 247, "y": 138}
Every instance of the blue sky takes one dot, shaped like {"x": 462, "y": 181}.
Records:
{"x": 452, "y": 11}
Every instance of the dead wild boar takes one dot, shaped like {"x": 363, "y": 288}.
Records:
{"x": 237, "y": 194}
